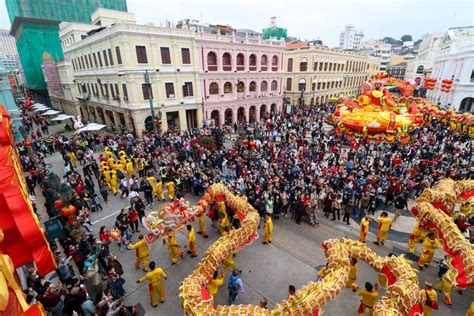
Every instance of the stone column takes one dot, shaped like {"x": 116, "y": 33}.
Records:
{"x": 199, "y": 116}
{"x": 221, "y": 117}
{"x": 164, "y": 121}
{"x": 117, "y": 120}
{"x": 183, "y": 120}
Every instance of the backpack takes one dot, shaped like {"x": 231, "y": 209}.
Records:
{"x": 233, "y": 285}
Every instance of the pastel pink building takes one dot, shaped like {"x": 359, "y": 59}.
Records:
{"x": 241, "y": 77}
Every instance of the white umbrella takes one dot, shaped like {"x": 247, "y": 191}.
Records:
{"x": 42, "y": 109}
{"x": 91, "y": 127}
{"x": 62, "y": 117}
{"x": 51, "y": 112}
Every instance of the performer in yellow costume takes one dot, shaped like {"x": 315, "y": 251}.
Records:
{"x": 267, "y": 237}
{"x": 385, "y": 222}
{"x": 114, "y": 182}
{"x": 364, "y": 228}
{"x": 130, "y": 169}
{"x": 73, "y": 159}
{"x": 143, "y": 252}
{"x": 446, "y": 284}
{"x": 429, "y": 295}
{"x": 430, "y": 246}
{"x": 202, "y": 227}
{"x": 229, "y": 263}
{"x": 151, "y": 179}
{"x": 369, "y": 296}
{"x": 107, "y": 176}
{"x": 170, "y": 187}
{"x": 191, "y": 241}
{"x": 215, "y": 283}
{"x": 159, "y": 190}
{"x": 416, "y": 236}
{"x": 156, "y": 285}
{"x": 351, "y": 281}
{"x": 173, "y": 247}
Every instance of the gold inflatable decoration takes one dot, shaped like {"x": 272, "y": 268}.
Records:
{"x": 433, "y": 209}
{"x": 402, "y": 296}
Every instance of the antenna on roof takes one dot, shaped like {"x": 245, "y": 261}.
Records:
{"x": 273, "y": 21}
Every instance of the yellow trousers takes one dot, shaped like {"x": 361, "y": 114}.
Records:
{"x": 159, "y": 194}
{"x": 142, "y": 260}
{"x": 174, "y": 252}
{"x": 192, "y": 248}
{"x": 202, "y": 228}
{"x": 155, "y": 290}
{"x": 229, "y": 263}
{"x": 171, "y": 194}
{"x": 267, "y": 238}
{"x": 362, "y": 236}
{"x": 445, "y": 287}
{"x": 382, "y": 235}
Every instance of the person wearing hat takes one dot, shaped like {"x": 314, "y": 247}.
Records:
{"x": 155, "y": 286}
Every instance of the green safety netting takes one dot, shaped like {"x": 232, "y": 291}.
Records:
{"x": 275, "y": 33}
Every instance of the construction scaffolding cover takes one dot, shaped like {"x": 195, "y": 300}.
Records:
{"x": 60, "y": 10}
{"x": 275, "y": 33}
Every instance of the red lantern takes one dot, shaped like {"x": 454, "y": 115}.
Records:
{"x": 253, "y": 144}
{"x": 447, "y": 81}
{"x": 245, "y": 142}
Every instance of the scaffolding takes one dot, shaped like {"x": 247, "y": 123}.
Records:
{"x": 274, "y": 32}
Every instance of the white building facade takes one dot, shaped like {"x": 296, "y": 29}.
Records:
{"x": 350, "y": 38}
{"x": 423, "y": 63}
{"x": 380, "y": 50}
{"x": 455, "y": 62}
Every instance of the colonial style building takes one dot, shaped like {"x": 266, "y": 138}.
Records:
{"x": 109, "y": 61}
{"x": 240, "y": 77}
{"x": 423, "y": 63}
{"x": 315, "y": 74}
{"x": 455, "y": 61}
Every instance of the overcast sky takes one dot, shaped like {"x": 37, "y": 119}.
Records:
{"x": 310, "y": 19}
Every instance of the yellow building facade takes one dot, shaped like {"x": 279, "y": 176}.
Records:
{"x": 316, "y": 74}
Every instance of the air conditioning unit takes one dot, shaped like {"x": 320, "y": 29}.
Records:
{"x": 117, "y": 98}
{"x": 125, "y": 98}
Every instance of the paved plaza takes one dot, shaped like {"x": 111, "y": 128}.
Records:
{"x": 294, "y": 258}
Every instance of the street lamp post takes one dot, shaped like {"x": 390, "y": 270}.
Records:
{"x": 150, "y": 97}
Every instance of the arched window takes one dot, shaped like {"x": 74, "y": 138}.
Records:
{"x": 241, "y": 87}
{"x": 274, "y": 85}
{"x": 420, "y": 69}
{"x": 211, "y": 61}
{"x": 227, "y": 87}
{"x": 253, "y": 62}
{"x": 226, "y": 62}
{"x": 264, "y": 86}
{"x": 303, "y": 64}
{"x": 264, "y": 63}
{"x": 214, "y": 88}
{"x": 302, "y": 85}
{"x": 275, "y": 63}
{"x": 240, "y": 62}
{"x": 252, "y": 86}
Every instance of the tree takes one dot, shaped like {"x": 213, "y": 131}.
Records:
{"x": 391, "y": 41}
{"x": 406, "y": 38}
